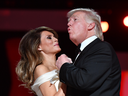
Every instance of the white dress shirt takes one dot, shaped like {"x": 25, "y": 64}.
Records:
{"x": 85, "y": 43}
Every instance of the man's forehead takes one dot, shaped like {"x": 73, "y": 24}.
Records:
{"x": 75, "y": 14}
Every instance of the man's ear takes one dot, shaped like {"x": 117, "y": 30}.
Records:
{"x": 91, "y": 26}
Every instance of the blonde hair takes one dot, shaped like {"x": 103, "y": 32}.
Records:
{"x": 30, "y": 56}
{"x": 91, "y": 16}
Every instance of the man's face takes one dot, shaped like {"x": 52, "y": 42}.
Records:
{"x": 77, "y": 27}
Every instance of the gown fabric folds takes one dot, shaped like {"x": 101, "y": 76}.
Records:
{"x": 52, "y": 76}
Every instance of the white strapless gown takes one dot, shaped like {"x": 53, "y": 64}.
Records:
{"x": 52, "y": 76}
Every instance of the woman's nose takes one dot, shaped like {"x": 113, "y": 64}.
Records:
{"x": 56, "y": 40}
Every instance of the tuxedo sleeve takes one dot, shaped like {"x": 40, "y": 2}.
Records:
{"x": 92, "y": 70}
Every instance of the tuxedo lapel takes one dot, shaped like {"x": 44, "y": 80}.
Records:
{"x": 85, "y": 52}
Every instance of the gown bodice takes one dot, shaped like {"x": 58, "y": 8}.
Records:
{"x": 51, "y": 76}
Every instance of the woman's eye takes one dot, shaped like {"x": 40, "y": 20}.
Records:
{"x": 49, "y": 37}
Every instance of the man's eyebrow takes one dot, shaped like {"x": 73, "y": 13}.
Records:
{"x": 73, "y": 16}
{"x": 68, "y": 19}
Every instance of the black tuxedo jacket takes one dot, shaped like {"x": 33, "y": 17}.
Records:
{"x": 96, "y": 72}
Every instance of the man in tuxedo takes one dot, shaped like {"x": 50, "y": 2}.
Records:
{"x": 96, "y": 70}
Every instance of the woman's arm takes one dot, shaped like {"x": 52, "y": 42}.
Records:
{"x": 46, "y": 88}
{"x": 62, "y": 90}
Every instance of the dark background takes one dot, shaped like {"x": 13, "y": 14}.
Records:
{"x": 112, "y": 11}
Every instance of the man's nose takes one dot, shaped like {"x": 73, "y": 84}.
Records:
{"x": 69, "y": 23}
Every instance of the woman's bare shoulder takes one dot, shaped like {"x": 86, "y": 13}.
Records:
{"x": 40, "y": 70}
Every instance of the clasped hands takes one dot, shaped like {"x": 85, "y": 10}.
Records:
{"x": 62, "y": 59}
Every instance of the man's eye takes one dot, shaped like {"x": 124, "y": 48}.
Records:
{"x": 75, "y": 19}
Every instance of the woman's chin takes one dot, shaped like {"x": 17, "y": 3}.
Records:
{"x": 58, "y": 50}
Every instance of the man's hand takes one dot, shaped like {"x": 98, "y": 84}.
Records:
{"x": 61, "y": 60}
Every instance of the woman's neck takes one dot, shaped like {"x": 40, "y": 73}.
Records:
{"x": 50, "y": 62}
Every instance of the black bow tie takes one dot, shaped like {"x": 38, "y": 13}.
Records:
{"x": 78, "y": 49}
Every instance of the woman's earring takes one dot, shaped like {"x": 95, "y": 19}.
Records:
{"x": 40, "y": 50}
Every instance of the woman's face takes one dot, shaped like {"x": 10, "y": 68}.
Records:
{"x": 49, "y": 44}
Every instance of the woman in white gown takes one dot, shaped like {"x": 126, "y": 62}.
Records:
{"x": 36, "y": 68}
